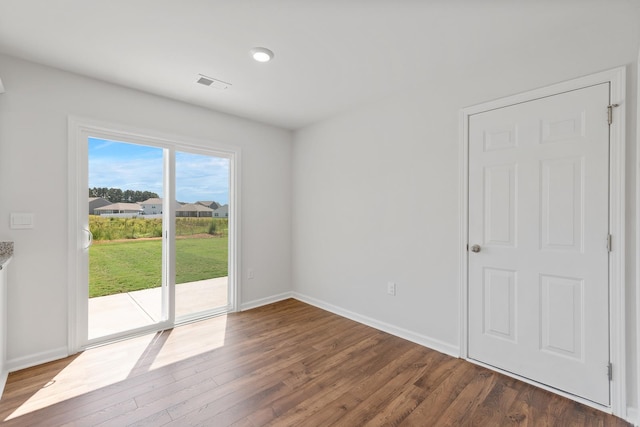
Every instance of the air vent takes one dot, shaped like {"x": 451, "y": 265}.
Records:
{"x": 211, "y": 82}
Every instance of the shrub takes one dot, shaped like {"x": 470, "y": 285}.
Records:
{"x": 213, "y": 227}
{"x": 112, "y": 228}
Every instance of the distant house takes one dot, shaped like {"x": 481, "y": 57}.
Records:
{"x": 151, "y": 206}
{"x": 97, "y": 202}
{"x": 119, "y": 208}
{"x": 210, "y": 204}
{"x": 221, "y": 212}
{"x": 194, "y": 210}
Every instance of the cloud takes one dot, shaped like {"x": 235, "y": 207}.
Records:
{"x": 200, "y": 177}
{"x": 136, "y": 167}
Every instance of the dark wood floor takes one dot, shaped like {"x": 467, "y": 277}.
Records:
{"x": 286, "y": 364}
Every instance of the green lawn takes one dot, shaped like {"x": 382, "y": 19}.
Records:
{"x": 116, "y": 267}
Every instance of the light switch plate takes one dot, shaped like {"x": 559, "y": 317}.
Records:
{"x": 21, "y": 221}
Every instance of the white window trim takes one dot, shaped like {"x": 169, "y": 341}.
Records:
{"x": 617, "y": 80}
{"x": 79, "y": 129}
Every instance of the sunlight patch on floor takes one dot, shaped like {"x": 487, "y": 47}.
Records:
{"x": 91, "y": 370}
{"x": 101, "y": 367}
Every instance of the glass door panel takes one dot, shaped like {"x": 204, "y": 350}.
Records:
{"x": 202, "y": 235}
{"x": 125, "y": 218}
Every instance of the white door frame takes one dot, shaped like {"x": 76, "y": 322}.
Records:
{"x": 616, "y": 79}
{"x": 79, "y": 130}
{"x": 637, "y": 222}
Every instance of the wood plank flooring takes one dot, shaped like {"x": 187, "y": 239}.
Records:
{"x": 285, "y": 364}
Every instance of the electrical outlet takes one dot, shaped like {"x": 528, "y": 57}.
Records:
{"x": 391, "y": 288}
{"x": 250, "y": 273}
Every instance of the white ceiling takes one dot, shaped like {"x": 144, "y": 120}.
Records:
{"x": 330, "y": 55}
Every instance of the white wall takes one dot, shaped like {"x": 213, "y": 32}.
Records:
{"x": 33, "y": 178}
{"x": 390, "y": 173}
{"x": 390, "y": 178}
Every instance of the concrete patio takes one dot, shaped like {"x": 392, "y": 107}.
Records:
{"x": 120, "y": 312}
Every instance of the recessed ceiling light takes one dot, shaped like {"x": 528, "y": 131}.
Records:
{"x": 261, "y": 54}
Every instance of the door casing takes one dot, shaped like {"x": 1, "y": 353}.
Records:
{"x": 616, "y": 78}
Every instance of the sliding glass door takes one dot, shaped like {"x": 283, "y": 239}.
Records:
{"x": 152, "y": 233}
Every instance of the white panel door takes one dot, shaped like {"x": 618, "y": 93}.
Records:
{"x": 538, "y": 213}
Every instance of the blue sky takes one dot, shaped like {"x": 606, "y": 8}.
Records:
{"x": 138, "y": 167}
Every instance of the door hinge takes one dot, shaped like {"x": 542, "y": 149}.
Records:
{"x": 610, "y": 108}
{"x": 610, "y": 371}
{"x": 609, "y": 243}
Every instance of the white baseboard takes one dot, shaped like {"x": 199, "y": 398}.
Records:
{"x": 632, "y": 416}
{"x": 36, "y": 359}
{"x": 3, "y": 381}
{"x": 264, "y": 301}
{"x": 423, "y": 340}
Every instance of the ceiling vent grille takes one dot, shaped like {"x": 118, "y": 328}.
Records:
{"x": 211, "y": 82}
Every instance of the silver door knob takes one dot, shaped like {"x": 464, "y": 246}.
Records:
{"x": 475, "y": 248}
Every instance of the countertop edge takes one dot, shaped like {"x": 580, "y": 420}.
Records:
{"x": 4, "y": 261}
{"x": 6, "y": 253}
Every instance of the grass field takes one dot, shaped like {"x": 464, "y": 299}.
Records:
{"x": 125, "y": 266}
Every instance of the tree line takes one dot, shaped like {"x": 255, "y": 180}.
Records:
{"x": 116, "y": 195}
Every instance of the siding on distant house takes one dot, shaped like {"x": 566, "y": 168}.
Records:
{"x": 119, "y": 208}
{"x": 209, "y": 204}
{"x": 97, "y": 202}
{"x": 194, "y": 210}
{"x": 151, "y": 206}
{"x": 221, "y": 212}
